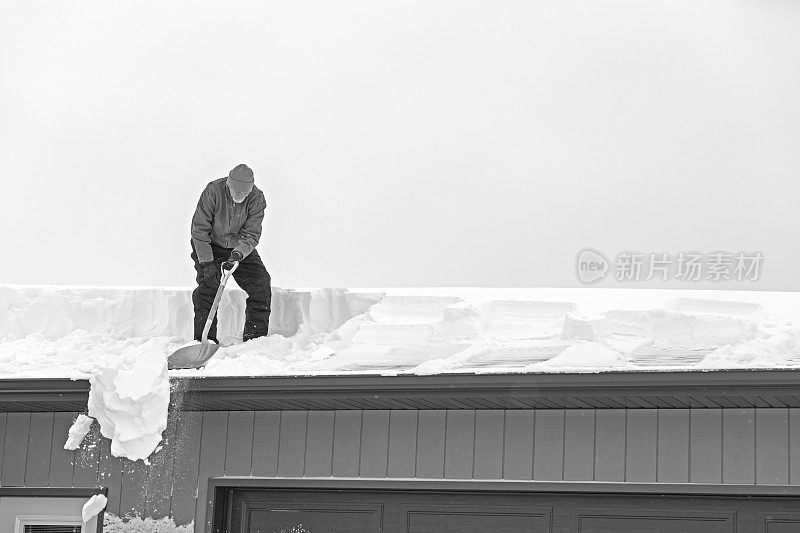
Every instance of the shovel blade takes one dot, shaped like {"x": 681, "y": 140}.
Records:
{"x": 192, "y": 356}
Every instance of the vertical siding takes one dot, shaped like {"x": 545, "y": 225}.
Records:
{"x": 40, "y": 439}
{"x": 579, "y": 445}
{"x": 639, "y": 445}
{"x": 266, "y": 435}
{"x": 213, "y": 437}
{"x": 548, "y": 444}
{"x": 239, "y": 443}
{"x": 61, "y": 461}
{"x": 738, "y": 446}
{"x": 705, "y": 445}
{"x": 489, "y": 444}
{"x": 186, "y": 467}
{"x": 403, "y": 443}
{"x": 87, "y": 459}
{"x": 133, "y": 494}
{"x": 610, "y": 425}
{"x": 15, "y": 450}
{"x": 110, "y": 469}
{"x": 3, "y": 423}
{"x": 459, "y": 456}
{"x": 161, "y": 472}
{"x": 346, "y": 443}
{"x": 518, "y": 445}
{"x": 319, "y": 452}
{"x": 292, "y": 444}
{"x": 430, "y": 444}
{"x": 374, "y": 444}
{"x": 772, "y": 446}
{"x": 794, "y": 446}
{"x": 673, "y": 446}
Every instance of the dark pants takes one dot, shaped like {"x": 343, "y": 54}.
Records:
{"x": 252, "y": 276}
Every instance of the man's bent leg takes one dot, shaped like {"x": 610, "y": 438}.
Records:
{"x": 253, "y": 278}
{"x": 202, "y": 299}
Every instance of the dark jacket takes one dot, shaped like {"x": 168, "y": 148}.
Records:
{"x": 220, "y": 220}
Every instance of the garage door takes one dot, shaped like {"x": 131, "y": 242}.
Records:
{"x": 304, "y": 511}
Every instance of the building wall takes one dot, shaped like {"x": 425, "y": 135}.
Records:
{"x": 733, "y": 446}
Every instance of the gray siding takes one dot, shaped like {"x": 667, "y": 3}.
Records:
{"x": 705, "y": 445}
{"x": 738, "y": 445}
{"x": 489, "y": 436}
{"x": 459, "y": 451}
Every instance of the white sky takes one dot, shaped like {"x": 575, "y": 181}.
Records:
{"x": 428, "y": 143}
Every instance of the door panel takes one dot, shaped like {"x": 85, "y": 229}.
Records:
{"x": 778, "y": 522}
{"x": 303, "y": 517}
{"x": 475, "y": 519}
{"x": 655, "y": 521}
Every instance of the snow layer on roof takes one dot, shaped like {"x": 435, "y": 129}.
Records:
{"x": 60, "y": 331}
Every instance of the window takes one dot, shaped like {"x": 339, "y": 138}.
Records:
{"x": 48, "y": 524}
{"x": 51, "y": 528}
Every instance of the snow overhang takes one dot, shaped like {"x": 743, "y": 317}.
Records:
{"x": 606, "y": 390}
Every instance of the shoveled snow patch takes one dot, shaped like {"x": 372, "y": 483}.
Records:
{"x": 78, "y": 431}
{"x": 93, "y": 506}
{"x": 129, "y": 397}
{"x": 585, "y": 355}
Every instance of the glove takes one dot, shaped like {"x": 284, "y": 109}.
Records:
{"x": 211, "y": 274}
{"x": 235, "y": 257}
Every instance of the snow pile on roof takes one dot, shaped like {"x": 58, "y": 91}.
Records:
{"x": 78, "y": 331}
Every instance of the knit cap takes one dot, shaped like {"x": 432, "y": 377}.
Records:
{"x": 240, "y": 179}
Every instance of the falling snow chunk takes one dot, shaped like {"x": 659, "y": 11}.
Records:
{"x": 93, "y": 507}
{"x": 78, "y": 432}
{"x": 129, "y": 397}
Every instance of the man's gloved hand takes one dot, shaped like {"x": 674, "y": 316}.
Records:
{"x": 235, "y": 256}
{"x": 211, "y": 273}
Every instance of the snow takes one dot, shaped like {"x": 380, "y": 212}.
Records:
{"x": 119, "y": 338}
{"x": 93, "y": 506}
{"x": 136, "y": 524}
{"x": 129, "y": 397}
{"x": 81, "y": 332}
{"x": 585, "y": 355}
{"x": 78, "y": 431}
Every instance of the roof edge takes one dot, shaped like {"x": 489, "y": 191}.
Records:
{"x": 617, "y": 389}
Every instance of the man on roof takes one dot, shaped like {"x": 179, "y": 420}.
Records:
{"x": 226, "y": 228}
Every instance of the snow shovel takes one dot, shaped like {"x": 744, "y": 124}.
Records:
{"x": 196, "y": 356}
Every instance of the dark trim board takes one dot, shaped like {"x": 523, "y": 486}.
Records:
{"x": 50, "y": 492}
{"x": 603, "y": 390}
{"x": 718, "y": 389}
{"x": 218, "y": 502}
{"x": 374, "y": 484}
{"x": 43, "y": 395}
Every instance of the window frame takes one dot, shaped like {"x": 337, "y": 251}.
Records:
{"x": 20, "y": 521}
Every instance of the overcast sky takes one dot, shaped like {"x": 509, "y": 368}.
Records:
{"x": 429, "y": 143}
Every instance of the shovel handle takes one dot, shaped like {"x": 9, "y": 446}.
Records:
{"x": 230, "y": 270}
{"x": 213, "y": 311}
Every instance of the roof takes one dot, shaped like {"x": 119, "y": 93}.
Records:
{"x": 70, "y": 332}
{"x": 606, "y": 390}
